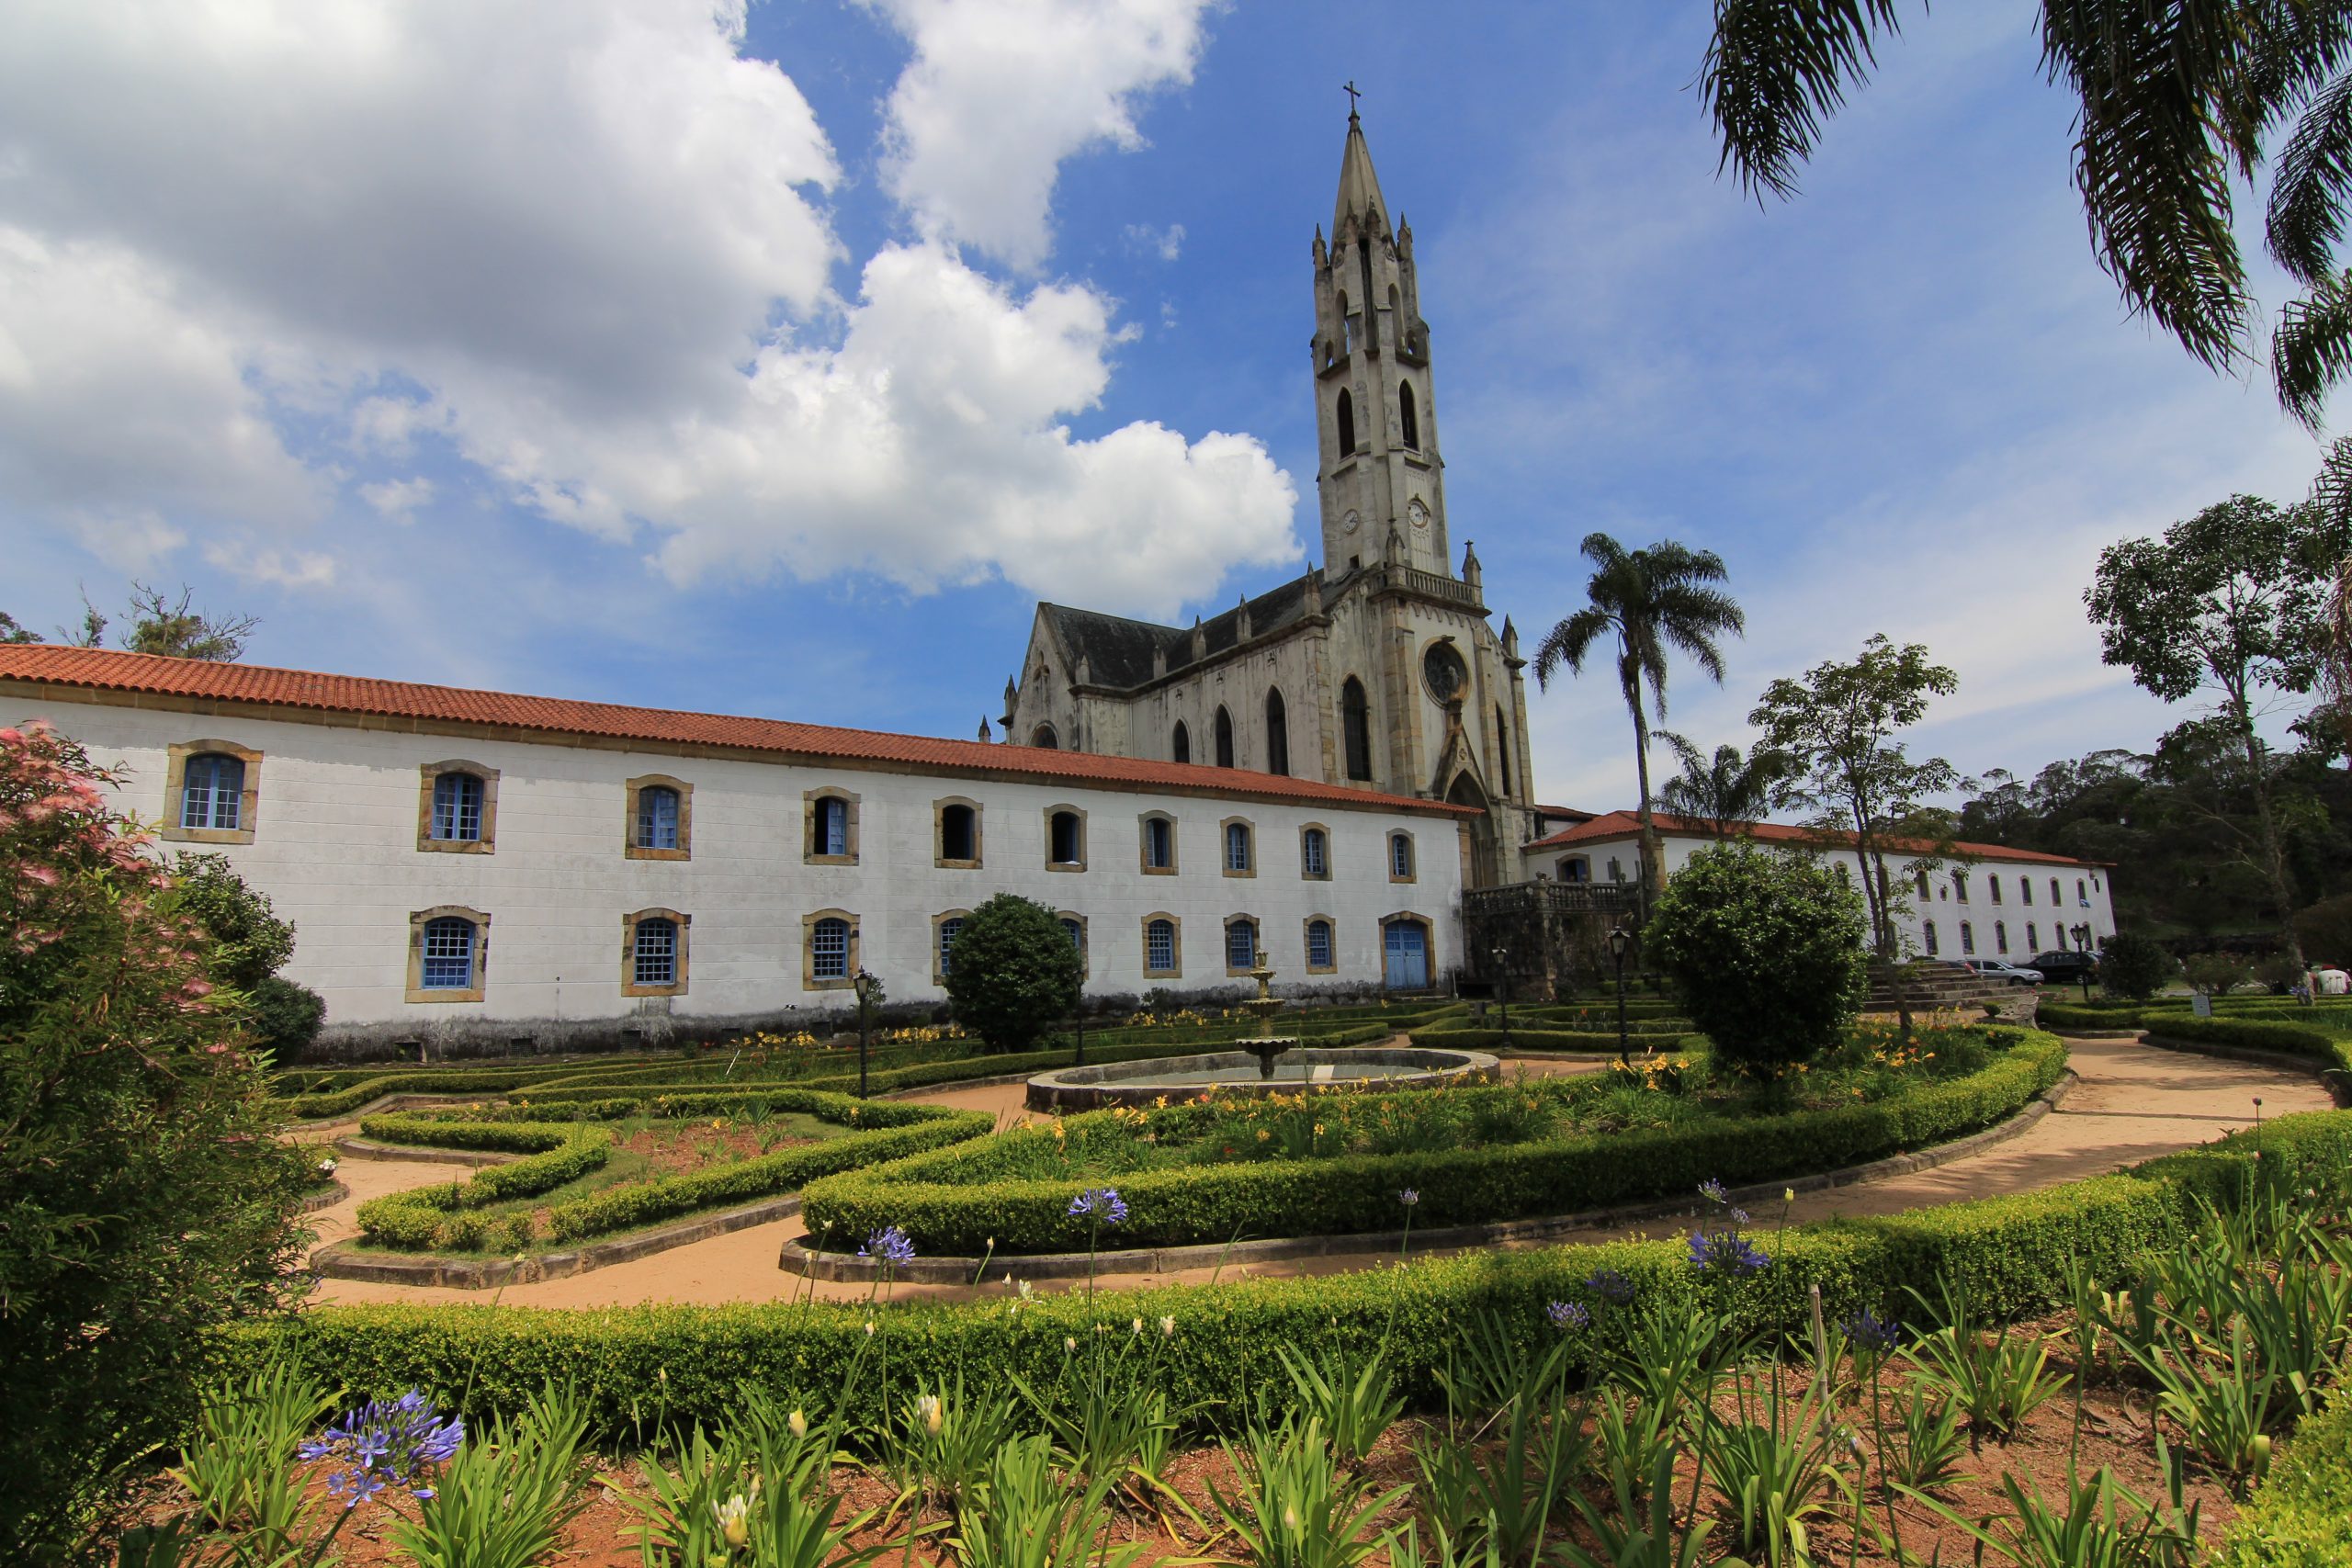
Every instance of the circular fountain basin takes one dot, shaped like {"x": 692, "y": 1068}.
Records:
{"x": 1180, "y": 1078}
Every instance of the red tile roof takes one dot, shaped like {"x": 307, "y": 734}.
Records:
{"x": 1628, "y": 824}
{"x": 199, "y": 680}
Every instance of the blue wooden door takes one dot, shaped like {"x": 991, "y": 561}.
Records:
{"x": 1408, "y": 958}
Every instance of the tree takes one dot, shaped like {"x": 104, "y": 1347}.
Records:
{"x": 1839, "y": 727}
{"x": 2326, "y": 930}
{"x": 250, "y": 944}
{"x": 2133, "y": 965}
{"x": 2174, "y": 104}
{"x": 1012, "y": 971}
{"x": 1765, "y": 949}
{"x": 11, "y": 633}
{"x": 162, "y": 625}
{"x": 2232, "y": 603}
{"x": 144, "y": 1202}
{"x": 1727, "y": 792}
{"x": 1647, "y": 601}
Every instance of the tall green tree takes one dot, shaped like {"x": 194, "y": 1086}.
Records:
{"x": 2230, "y": 607}
{"x": 1646, "y": 601}
{"x": 1842, "y": 724}
{"x": 1012, "y": 971}
{"x": 1725, "y": 790}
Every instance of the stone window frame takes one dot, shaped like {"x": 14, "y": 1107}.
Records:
{"x": 854, "y": 958}
{"x": 1143, "y": 844}
{"x": 1992, "y": 886}
{"x": 1175, "y": 950}
{"x": 808, "y": 799}
{"x": 1968, "y": 938}
{"x": 1224, "y": 938}
{"x": 939, "y": 833}
{"x": 1064, "y": 866}
{"x": 1428, "y": 941}
{"x": 2032, "y": 935}
{"x": 1224, "y": 842}
{"x": 417, "y": 921}
{"x": 630, "y": 848}
{"x": 677, "y": 987}
{"x": 1306, "y": 944}
{"x": 1959, "y": 885}
{"x": 938, "y": 966}
{"x": 427, "y": 776}
{"x": 175, "y": 785}
{"x": 1085, "y": 941}
{"x": 1305, "y": 872}
{"x": 1412, "y": 855}
{"x": 2001, "y": 939}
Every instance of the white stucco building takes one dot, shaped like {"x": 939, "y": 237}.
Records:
{"x": 528, "y": 867}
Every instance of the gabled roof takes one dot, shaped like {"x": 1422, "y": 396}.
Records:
{"x": 209, "y": 687}
{"x": 1118, "y": 651}
{"x": 1621, "y": 825}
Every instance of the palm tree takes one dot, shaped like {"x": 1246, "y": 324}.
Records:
{"x": 1649, "y": 600}
{"x": 1726, "y": 791}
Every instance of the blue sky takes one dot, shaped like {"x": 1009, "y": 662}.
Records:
{"x": 778, "y": 366}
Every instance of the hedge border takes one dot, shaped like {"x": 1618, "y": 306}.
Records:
{"x": 2299, "y": 1516}
{"x": 1357, "y": 1193}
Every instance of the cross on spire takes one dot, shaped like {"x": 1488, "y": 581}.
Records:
{"x": 1353, "y": 95}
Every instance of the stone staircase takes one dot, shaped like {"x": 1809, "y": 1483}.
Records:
{"x": 1931, "y": 986}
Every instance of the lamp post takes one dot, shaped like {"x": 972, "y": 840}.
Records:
{"x": 1620, "y": 939}
{"x": 862, "y": 983}
{"x": 1503, "y": 991}
{"x": 2082, "y": 942}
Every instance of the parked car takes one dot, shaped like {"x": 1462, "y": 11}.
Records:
{"x": 2002, "y": 969}
{"x": 2066, "y": 968}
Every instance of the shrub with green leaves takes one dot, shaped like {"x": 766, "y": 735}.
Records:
{"x": 2134, "y": 965}
{"x": 1012, "y": 971}
{"x": 1766, "y": 950}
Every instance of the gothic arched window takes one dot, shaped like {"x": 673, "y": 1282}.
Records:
{"x": 1277, "y": 734}
{"x": 1355, "y": 725}
{"x": 1502, "y": 750}
{"x": 1223, "y": 739}
{"x": 1044, "y": 738}
{"x": 1179, "y": 746}
{"x": 1346, "y": 423}
{"x": 1408, "y": 416}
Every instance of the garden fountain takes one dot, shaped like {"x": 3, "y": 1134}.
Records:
{"x": 1265, "y": 1063}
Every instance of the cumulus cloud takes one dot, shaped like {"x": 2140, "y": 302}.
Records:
{"x": 280, "y": 569}
{"x": 583, "y": 249}
{"x": 1000, "y": 91}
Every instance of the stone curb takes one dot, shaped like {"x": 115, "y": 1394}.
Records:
{"x": 339, "y": 1261}
{"x": 389, "y": 1103}
{"x": 795, "y": 1259}
{"x": 361, "y": 1148}
{"x": 327, "y": 1199}
{"x": 2332, "y": 1077}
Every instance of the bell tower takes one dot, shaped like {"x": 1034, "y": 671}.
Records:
{"x": 1381, "y": 480}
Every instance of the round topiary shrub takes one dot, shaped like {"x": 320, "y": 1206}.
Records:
{"x": 2133, "y": 965}
{"x": 285, "y": 1017}
{"x": 1013, "y": 972}
{"x": 1766, "y": 948}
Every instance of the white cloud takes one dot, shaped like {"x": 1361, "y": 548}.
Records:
{"x": 280, "y": 570}
{"x": 397, "y": 499}
{"x": 1000, "y": 91}
{"x": 1166, "y": 244}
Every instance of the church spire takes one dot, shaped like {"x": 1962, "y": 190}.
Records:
{"x": 1358, "y": 187}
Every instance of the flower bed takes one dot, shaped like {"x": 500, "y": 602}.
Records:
{"x": 485, "y": 1212}
{"x": 1335, "y": 1164}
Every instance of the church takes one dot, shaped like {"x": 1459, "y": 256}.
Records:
{"x": 1378, "y": 670}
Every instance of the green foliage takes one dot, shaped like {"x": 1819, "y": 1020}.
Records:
{"x": 2326, "y": 930}
{"x": 239, "y": 1463}
{"x": 2134, "y": 965}
{"x": 249, "y": 942}
{"x": 144, "y": 1201}
{"x": 1998, "y": 1383}
{"x": 284, "y": 1016}
{"x": 1766, "y": 950}
{"x": 502, "y": 1501}
{"x": 2300, "y": 1516}
{"x": 2216, "y": 974}
{"x": 1013, "y": 972}
{"x": 1293, "y": 1507}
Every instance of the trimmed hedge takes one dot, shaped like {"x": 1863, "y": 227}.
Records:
{"x": 641, "y": 1369}
{"x": 560, "y": 1152}
{"x": 335, "y": 1102}
{"x": 1457, "y": 1186}
{"x": 2251, "y": 1034}
{"x": 1539, "y": 1039}
{"x": 2301, "y": 1514}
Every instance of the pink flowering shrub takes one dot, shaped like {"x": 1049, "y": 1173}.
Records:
{"x": 143, "y": 1201}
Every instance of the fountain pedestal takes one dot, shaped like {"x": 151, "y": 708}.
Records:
{"x": 1267, "y": 1045}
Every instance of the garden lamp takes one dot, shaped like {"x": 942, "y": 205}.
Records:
{"x": 1502, "y": 989}
{"x": 862, "y": 983}
{"x": 1620, "y": 939}
{"x": 2083, "y": 941}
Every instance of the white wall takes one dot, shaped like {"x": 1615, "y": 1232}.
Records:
{"x": 334, "y": 847}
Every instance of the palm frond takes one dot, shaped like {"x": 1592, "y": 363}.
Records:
{"x": 1775, "y": 70}
{"x": 2312, "y": 349}
{"x": 1569, "y": 642}
{"x": 2305, "y": 220}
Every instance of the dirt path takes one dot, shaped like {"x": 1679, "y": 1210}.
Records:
{"x": 2133, "y": 1104}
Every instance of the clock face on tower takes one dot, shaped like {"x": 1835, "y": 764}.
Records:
{"x": 1419, "y": 513}
{"x": 1350, "y": 523}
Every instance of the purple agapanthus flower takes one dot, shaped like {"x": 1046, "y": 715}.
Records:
{"x": 1611, "y": 1287}
{"x": 891, "y": 1245}
{"x": 1568, "y": 1316}
{"x": 384, "y": 1445}
{"x": 1103, "y": 1205}
{"x": 1410, "y": 1196}
{"x": 1870, "y": 1332}
{"x": 1726, "y": 1252}
{"x": 1712, "y": 1190}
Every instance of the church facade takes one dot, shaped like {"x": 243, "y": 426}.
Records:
{"x": 1378, "y": 670}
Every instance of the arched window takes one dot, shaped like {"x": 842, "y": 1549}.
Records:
{"x": 2000, "y": 936}
{"x": 1159, "y": 844}
{"x": 657, "y": 817}
{"x": 1066, "y": 839}
{"x": 1346, "y": 423}
{"x": 960, "y": 833}
{"x": 1044, "y": 738}
{"x": 1160, "y": 946}
{"x": 1240, "y": 857}
{"x": 212, "y": 793}
{"x": 1076, "y": 932}
{"x": 1319, "y": 946}
{"x": 1959, "y": 886}
{"x": 2057, "y": 900}
{"x": 829, "y": 949}
{"x": 1240, "y": 943}
{"x": 1355, "y": 727}
{"x": 655, "y": 952}
{"x": 1408, "y": 416}
{"x": 2082, "y": 893}
{"x": 457, "y": 809}
{"x": 1277, "y": 734}
{"x": 448, "y": 958}
{"x": 1993, "y": 886}
{"x": 1921, "y": 879}
{"x": 1845, "y": 874}
{"x": 2025, "y": 889}
{"x": 1502, "y": 750}
{"x": 829, "y": 826}
{"x": 1930, "y": 929}
{"x": 949, "y": 930}
{"x": 2033, "y": 936}
{"x": 1179, "y": 746}
{"x": 1401, "y": 857}
{"x": 1967, "y": 938}
{"x": 1315, "y": 855}
{"x": 1225, "y": 742}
